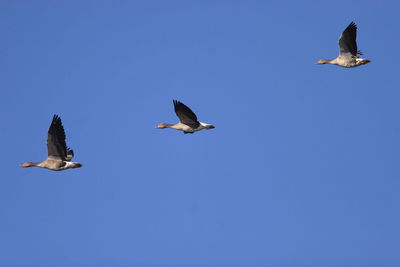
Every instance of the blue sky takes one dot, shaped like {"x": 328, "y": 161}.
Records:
{"x": 302, "y": 168}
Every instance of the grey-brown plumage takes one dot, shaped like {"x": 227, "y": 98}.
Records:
{"x": 56, "y": 147}
{"x": 188, "y": 120}
{"x": 186, "y": 115}
{"x": 349, "y": 55}
{"x": 347, "y": 42}
{"x": 59, "y": 156}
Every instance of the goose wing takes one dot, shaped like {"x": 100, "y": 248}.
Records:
{"x": 56, "y": 147}
{"x": 186, "y": 115}
{"x": 347, "y": 42}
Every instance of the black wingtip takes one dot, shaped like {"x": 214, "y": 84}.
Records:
{"x": 353, "y": 25}
{"x": 56, "y": 118}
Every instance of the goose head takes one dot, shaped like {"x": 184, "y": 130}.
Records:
{"x": 28, "y": 164}
{"x": 323, "y": 61}
{"x": 162, "y": 126}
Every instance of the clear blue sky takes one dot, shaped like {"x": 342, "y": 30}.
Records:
{"x": 302, "y": 168}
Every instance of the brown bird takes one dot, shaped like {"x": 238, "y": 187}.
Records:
{"x": 188, "y": 120}
{"x": 349, "y": 56}
{"x": 58, "y": 154}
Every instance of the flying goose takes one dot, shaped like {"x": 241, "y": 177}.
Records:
{"x": 58, "y": 154}
{"x": 349, "y": 56}
{"x": 188, "y": 120}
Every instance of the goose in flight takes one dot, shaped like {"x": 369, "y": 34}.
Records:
{"x": 188, "y": 120}
{"x": 349, "y": 56}
{"x": 58, "y": 154}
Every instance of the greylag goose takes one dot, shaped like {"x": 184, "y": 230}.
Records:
{"x": 188, "y": 120}
{"x": 58, "y": 154}
{"x": 349, "y": 56}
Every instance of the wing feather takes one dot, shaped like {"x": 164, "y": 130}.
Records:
{"x": 347, "y": 41}
{"x": 185, "y": 114}
{"x": 56, "y": 146}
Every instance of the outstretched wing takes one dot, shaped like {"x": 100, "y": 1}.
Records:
{"x": 186, "y": 115}
{"x": 347, "y": 42}
{"x": 56, "y": 147}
